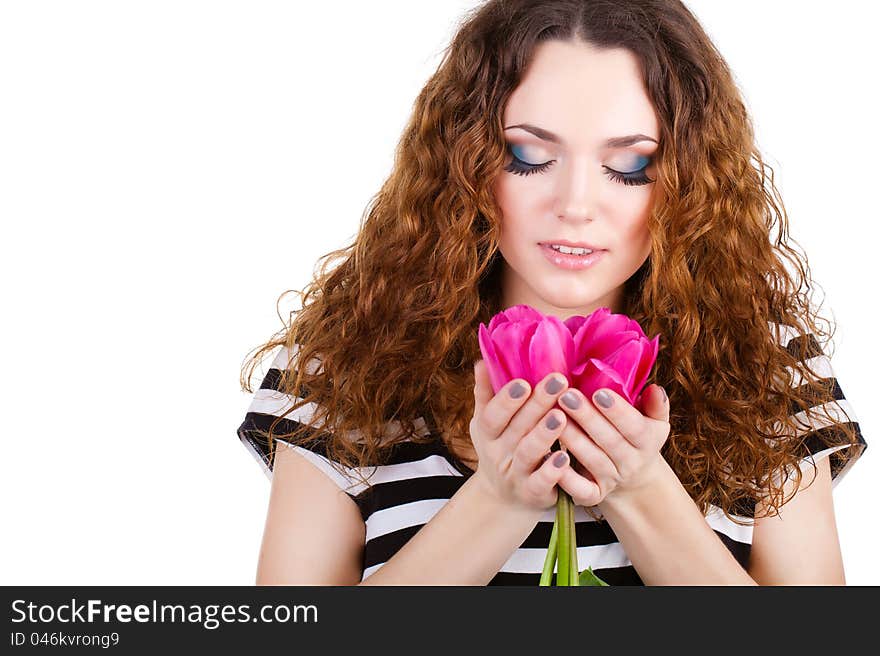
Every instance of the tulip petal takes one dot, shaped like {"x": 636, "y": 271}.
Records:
{"x": 509, "y": 340}
{"x": 583, "y": 329}
{"x": 522, "y": 314}
{"x": 497, "y": 320}
{"x": 607, "y": 343}
{"x": 574, "y": 322}
{"x": 578, "y": 370}
{"x": 566, "y": 339}
{"x": 600, "y": 333}
{"x": 582, "y": 372}
{"x": 528, "y": 336}
{"x": 626, "y": 360}
{"x": 635, "y": 326}
{"x": 649, "y": 357}
{"x": 550, "y": 348}
{"x": 497, "y": 372}
{"x": 601, "y": 375}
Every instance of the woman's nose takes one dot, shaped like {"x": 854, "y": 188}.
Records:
{"x": 577, "y": 191}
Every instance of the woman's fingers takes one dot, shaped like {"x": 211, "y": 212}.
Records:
{"x": 588, "y": 453}
{"x": 514, "y": 430}
{"x": 531, "y": 449}
{"x": 583, "y": 490}
{"x": 543, "y": 399}
{"x": 547, "y": 476}
{"x": 493, "y": 412}
{"x": 584, "y": 414}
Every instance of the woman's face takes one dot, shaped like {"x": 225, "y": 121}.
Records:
{"x": 570, "y": 185}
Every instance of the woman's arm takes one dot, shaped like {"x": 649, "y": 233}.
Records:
{"x": 465, "y": 543}
{"x": 669, "y": 542}
{"x": 799, "y": 546}
{"x": 315, "y": 534}
{"x": 668, "y": 539}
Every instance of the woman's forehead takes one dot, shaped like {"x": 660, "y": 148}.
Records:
{"x": 582, "y": 94}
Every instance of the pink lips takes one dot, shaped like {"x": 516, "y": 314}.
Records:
{"x": 571, "y": 262}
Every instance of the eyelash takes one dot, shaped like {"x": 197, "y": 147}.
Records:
{"x": 518, "y": 167}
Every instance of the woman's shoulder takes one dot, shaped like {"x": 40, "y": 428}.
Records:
{"x": 420, "y": 455}
{"x": 821, "y": 427}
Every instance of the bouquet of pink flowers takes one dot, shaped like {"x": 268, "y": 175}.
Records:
{"x": 601, "y": 350}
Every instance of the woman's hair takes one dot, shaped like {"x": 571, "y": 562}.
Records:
{"x": 394, "y": 324}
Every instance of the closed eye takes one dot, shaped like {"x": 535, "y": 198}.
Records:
{"x": 519, "y": 167}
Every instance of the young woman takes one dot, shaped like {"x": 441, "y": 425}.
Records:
{"x": 612, "y": 125}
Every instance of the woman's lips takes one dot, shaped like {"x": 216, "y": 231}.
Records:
{"x": 571, "y": 262}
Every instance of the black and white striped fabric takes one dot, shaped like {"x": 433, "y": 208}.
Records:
{"x": 418, "y": 479}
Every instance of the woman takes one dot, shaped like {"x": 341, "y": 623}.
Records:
{"x": 610, "y": 125}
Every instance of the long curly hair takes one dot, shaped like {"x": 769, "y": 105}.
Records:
{"x": 393, "y": 325}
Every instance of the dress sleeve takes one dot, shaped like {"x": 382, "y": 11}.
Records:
{"x": 268, "y": 403}
{"x": 820, "y": 436}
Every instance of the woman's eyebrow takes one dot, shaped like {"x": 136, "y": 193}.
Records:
{"x": 613, "y": 142}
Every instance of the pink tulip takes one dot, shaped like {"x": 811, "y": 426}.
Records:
{"x": 611, "y": 351}
{"x": 599, "y": 350}
{"x": 523, "y": 343}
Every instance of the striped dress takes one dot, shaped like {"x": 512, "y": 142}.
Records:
{"x": 418, "y": 479}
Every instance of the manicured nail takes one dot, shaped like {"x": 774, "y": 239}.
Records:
{"x": 571, "y": 400}
{"x": 560, "y": 460}
{"x": 553, "y": 385}
{"x": 517, "y": 390}
{"x": 665, "y": 397}
{"x": 552, "y": 422}
{"x": 604, "y": 399}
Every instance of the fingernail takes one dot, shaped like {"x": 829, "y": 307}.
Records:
{"x": 517, "y": 390}
{"x": 665, "y": 397}
{"x": 552, "y": 422}
{"x": 553, "y": 385}
{"x": 571, "y": 400}
{"x": 560, "y": 460}
{"x": 604, "y": 399}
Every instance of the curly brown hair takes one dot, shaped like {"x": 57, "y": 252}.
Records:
{"x": 394, "y": 324}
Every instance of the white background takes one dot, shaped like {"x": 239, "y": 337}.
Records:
{"x": 168, "y": 169}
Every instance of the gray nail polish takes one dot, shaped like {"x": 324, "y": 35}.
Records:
{"x": 517, "y": 390}
{"x": 553, "y": 385}
{"x": 552, "y": 422}
{"x": 571, "y": 400}
{"x": 604, "y": 399}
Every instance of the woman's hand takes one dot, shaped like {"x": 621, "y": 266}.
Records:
{"x": 512, "y": 439}
{"x": 617, "y": 449}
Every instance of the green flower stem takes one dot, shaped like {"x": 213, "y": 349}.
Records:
{"x": 573, "y": 565}
{"x": 563, "y": 575}
{"x": 550, "y": 561}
